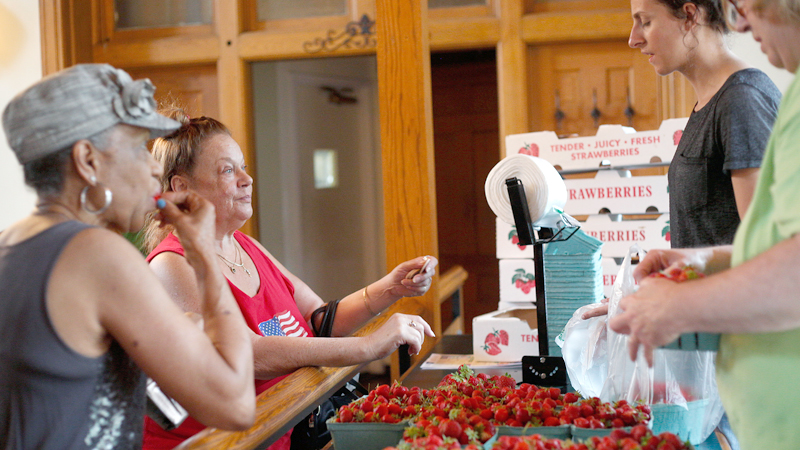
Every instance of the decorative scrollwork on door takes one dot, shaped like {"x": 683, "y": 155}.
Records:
{"x": 356, "y": 34}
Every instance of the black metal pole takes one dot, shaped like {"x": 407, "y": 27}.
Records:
{"x": 541, "y": 303}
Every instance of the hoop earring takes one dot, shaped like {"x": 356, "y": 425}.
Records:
{"x": 84, "y": 203}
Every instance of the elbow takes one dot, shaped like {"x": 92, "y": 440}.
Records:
{"x": 244, "y": 417}
{"x": 237, "y": 415}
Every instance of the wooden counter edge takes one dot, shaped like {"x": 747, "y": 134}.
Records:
{"x": 280, "y": 407}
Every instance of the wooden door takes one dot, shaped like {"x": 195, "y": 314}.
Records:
{"x": 465, "y": 133}
{"x": 193, "y": 88}
{"x": 604, "y": 77}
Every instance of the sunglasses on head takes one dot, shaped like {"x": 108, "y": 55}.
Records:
{"x": 737, "y": 10}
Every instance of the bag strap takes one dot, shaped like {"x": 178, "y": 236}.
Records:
{"x": 328, "y": 312}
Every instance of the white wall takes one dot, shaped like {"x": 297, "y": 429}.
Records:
{"x": 748, "y": 49}
{"x": 20, "y": 66}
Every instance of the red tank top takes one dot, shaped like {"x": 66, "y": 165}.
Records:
{"x": 271, "y": 312}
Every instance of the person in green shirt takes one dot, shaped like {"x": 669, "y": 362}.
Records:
{"x": 752, "y": 296}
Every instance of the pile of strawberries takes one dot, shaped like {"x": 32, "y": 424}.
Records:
{"x": 387, "y": 404}
{"x": 468, "y": 407}
{"x": 679, "y": 274}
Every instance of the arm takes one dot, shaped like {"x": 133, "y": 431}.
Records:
{"x": 352, "y": 312}
{"x": 727, "y": 302}
{"x": 358, "y": 308}
{"x": 279, "y": 355}
{"x": 209, "y": 373}
{"x": 744, "y": 184}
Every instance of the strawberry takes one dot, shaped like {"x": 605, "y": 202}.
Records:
{"x": 501, "y": 415}
{"x": 450, "y": 428}
{"x": 552, "y": 422}
{"x": 383, "y": 390}
{"x": 639, "y": 431}
{"x": 345, "y": 414}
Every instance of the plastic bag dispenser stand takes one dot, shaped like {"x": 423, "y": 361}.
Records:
{"x": 543, "y": 370}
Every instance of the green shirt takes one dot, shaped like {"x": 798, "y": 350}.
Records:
{"x": 759, "y": 374}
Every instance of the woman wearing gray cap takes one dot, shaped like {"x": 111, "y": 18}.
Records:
{"x": 81, "y": 312}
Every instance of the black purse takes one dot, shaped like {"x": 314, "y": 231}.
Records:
{"x": 312, "y": 432}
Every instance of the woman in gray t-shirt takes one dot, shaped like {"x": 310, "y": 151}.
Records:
{"x": 713, "y": 173}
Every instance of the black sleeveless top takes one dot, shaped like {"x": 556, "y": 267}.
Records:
{"x": 50, "y": 396}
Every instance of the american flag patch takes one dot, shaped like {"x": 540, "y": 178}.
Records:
{"x": 282, "y": 324}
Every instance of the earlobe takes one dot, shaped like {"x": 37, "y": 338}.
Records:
{"x": 84, "y": 157}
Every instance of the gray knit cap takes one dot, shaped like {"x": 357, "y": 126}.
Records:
{"x": 77, "y": 103}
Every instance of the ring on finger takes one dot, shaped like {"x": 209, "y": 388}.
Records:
{"x": 412, "y": 324}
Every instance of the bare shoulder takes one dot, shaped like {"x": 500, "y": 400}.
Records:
{"x": 97, "y": 251}
{"x": 178, "y": 278}
{"x": 170, "y": 264}
{"x": 103, "y": 246}
{"x": 266, "y": 252}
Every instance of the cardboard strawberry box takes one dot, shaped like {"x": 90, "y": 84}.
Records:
{"x": 618, "y": 236}
{"x": 506, "y": 335}
{"x": 507, "y": 242}
{"x": 517, "y": 280}
{"x": 617, "y": 192}
{"x": 613, "y": 144}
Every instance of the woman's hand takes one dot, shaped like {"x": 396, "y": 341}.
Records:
{"x": 398, "y": 330}
{"x": 420, "y": 270}
{"x": 193, "y": 218}
{"x": 649, "y": 316}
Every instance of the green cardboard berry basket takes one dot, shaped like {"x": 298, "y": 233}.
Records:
{"x": 560, "y": 432}
{"x": 686, "y": 422}
{"x": 365, "y": 435}
{"x": 486, "y": 445}
{"x": 581, "y": 434}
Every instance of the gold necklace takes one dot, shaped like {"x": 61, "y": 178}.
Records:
{"x": 232, "y": 265}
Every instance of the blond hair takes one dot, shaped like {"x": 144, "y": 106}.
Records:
{"x": 177, "y": 152}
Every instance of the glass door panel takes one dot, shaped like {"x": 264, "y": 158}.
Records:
{"x": 132, "y": 14}
{"x": 434, "y": 4}
{"x": 282, "y": 9}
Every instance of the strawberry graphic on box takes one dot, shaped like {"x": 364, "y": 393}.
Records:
{"x": 529, "y": 149}
{"x": 665, "y": 232}
{"x": 676, "y": 137}
{"x": 523, "y": 280}
{"x": 494, "y": 340}
{"x": 514, "y": 238}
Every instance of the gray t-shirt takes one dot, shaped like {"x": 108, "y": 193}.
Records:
{"x": 730, "y": 132}
{"x": 50, "y": 396}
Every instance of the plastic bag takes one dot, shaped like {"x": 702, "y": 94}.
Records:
{"x": 583, "y": 347}
{"x": 681, "y": 386}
